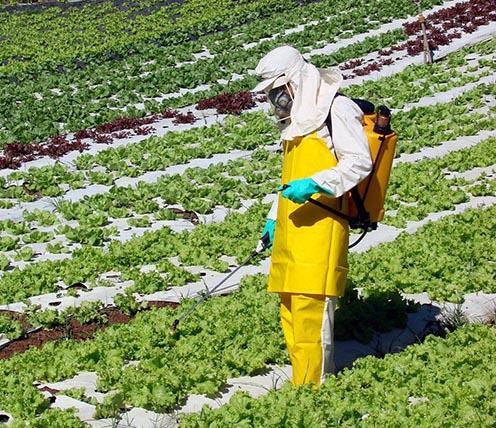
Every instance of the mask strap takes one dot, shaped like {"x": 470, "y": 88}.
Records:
{"x": 290, "y": 90}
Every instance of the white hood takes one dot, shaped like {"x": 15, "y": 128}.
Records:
{"x": 315, "y": 88}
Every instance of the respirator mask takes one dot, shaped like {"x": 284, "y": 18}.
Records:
{"x": 282, "y": 101}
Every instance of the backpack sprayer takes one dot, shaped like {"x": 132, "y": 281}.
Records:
{"x": 365, "y": 212}
{"x": 366, "y": 200}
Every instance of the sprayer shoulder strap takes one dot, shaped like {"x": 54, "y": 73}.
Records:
{"x": 355, "y": 195}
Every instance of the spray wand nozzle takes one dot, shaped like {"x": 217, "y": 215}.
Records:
{"x": 265, "y": 240}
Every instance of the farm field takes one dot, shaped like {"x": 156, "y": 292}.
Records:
{"x": 137, "y": 171}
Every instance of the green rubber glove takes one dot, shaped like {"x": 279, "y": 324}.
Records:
{"x": 300, "y": 191}
{"x": 269, "y": 228}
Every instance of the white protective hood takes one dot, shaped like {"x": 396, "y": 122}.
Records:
{"x": 315, "y": 88}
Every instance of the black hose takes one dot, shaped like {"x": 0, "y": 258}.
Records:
{"x": 359, "y": 239}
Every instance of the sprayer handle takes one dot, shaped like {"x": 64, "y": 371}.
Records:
{"x": 265, "y": 240}
{"x": 263, "y": 243}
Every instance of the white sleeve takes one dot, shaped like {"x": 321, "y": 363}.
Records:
{"x": 351, "y": 147}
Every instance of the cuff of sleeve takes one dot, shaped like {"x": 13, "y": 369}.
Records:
{"x": 322, "y": 184}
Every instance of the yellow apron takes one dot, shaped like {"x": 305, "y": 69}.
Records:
{"x": 310, "y": 250}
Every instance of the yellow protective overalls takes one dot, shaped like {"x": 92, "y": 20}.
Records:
{"x": 309, "y": 262}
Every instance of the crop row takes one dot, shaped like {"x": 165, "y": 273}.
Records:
{"x": 77, "y": 102}
{"x": 197, "y": 190}
{"x": 446, "y": 258}
{"x": 88, "y": 312}
{"x": 485, "y": 186}
{"x": 418, "y": 189}
{"x": 407, "y": 86}
{"x": 441, "y": 382}
{"x": 246, "y": 23}
{"x": 188, "y": 188}
{"x": 415, "y": 191}
{"x": 109, "y": 30}
{"x": 371, "y": 44}
{"x": 195, "y": 247}
{"x": 236, "y": 236}
{"x": 247, "y": 132}
{"x": 443, "y": 27}
{"x": 459, "y": 68}
{"x": 118, "y": 159}
{"x": 201, "y": 189}
{"x": 215, "y": 350}
{"x": 429, "y": 126}
{"x": 359, "y": 317}
{"x": 415, "y": 127}
{"x": 15, "y": 154}
{"x": 261, "y": 19}
{"x": 205, "y": 341}
{"x": 165, "y": 358}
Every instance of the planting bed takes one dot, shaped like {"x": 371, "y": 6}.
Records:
{"x": 137, "y": 170}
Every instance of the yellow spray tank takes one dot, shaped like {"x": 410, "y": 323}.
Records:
{"x": 366, "y": 200}
{"x": 382, "y": 143}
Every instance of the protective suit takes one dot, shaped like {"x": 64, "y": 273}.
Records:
{"x": 309, "y": 256}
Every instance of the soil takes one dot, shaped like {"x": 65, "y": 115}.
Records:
{"x": 49, "y": 390}
{"x": 187, "y": 215}
{"x": 36, "y": 339}
{"x": 161, "y": 304}
{"x": 75, "y": 330}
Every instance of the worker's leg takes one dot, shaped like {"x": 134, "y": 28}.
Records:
{"x": 307, "y": 314}
{"x": 312, "y": 344}
{"x": 328, "y": 337}
{"x": 308, "y": 323}
{"x": 287, "y": 322}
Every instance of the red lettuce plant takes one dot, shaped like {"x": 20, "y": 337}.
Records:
{"x": 229, "y": 103}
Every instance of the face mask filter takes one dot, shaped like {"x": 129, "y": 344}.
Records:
{"x": 282, "y": 101}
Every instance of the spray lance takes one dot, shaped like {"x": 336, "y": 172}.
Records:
{"x": 264, "y": 244}
{"x": 282, "y": 101}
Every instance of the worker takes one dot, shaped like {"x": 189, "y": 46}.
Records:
{"x": 310, "y": 246}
